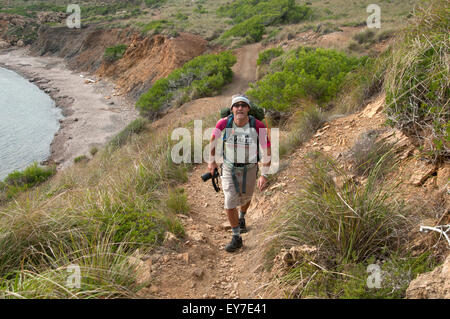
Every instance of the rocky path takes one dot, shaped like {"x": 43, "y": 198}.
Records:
{"x": 199, "y": 267}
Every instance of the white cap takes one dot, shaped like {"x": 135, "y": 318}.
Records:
{"x": 239, "y": 99}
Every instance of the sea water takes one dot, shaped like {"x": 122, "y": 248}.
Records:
{"x": 28, "y": 123}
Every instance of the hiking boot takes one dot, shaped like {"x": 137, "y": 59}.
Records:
{"x": 242, "y": 227}
{"x": 236, "y": 243}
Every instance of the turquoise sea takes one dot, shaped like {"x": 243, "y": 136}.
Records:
{"x": 28, "y": 123}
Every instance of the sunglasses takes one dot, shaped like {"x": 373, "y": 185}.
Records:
{"x": 240, "y": 105}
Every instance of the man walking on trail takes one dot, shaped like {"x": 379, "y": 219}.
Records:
{"x": 244, "y": 139}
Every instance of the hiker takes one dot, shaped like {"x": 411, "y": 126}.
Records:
{"x": 240, "y": 168}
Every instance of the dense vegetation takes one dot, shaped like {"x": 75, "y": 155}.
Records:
{"x": 250, "y": 17}
{"x": 417, "y": 86}
{"x": 94, "y": 216}
{"x": 202, "y": 76}
{"x": 19, "y": 181}
{"x": 311, "y": 73}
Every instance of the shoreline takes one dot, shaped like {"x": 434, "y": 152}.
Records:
{"x": 92, "y": 112}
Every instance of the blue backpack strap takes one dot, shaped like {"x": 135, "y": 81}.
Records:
{"x": 229, "y": 125}
{"x": 252, "y": 121}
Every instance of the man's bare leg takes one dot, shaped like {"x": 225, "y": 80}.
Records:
{"x": 244, "y": 208}
{"x": 233, "y": 217}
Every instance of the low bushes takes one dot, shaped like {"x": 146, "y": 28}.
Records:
{"x": 266, "y": 56}
{"x": 286, "y": 11}
{"x": 114, "y": 53}
{"x": 19, "y": 181}
{"x": 154, "y": 3}
{"x": 202, "y": 76}
{"x": 250, "y": 17}
{"x": 303, "y": 73}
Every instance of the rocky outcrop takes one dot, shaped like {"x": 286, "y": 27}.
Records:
{"x": 50, "y": 16}
{"x": 14, "y": 28}
{"x": 431, "y": 285}
{"x": 296, "y": 255}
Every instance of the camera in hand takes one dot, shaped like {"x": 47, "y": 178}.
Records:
{"x": 208, "y": 175}
{"x": 214, "y": 178}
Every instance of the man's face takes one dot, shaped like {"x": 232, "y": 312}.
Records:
{"x": 240, "y": 110}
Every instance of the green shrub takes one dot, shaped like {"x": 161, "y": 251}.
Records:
{"x": 349, "y": 281}
{"x": 79, "y": 159}
{"x": 366, "y": 36}
{"x": 285, "y": 11}
{"x": 114, "y": 53}
{"x": 135, "y": 127}
{"x": 202, "y": 76}
{"x": 252, "y": 28}
{"x": 417, "y": 85}
{"x": 303, "y": 73}
{"x": 154, "y": 3}
{"x": 19, "y": 181}
{"x": 93, "y": 150}
{"x": 266, "y": 56}
{"x": 156, "y": 26}
{"x": 252, "y": 16}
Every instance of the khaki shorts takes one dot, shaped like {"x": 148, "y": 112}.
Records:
{"x": 232, "y": 198}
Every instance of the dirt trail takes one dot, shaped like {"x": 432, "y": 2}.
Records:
{"x": 244, "y": 72}
{"x": 199, "y": 267}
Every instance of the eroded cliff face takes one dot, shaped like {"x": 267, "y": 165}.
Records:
{"x": 146, "y": 59}
{"x": 149, "y": 59}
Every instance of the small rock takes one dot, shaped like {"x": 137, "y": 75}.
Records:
{"x": 431, "y": 285}
{"x": 170, "y": 240}
{"x": 142, "y": 270}
{"x": 154, "y": 289}
{"x": 4, "y": 44}
{"x": 196, "y": 235}
{"x": 198, "y": 273}
{"x": 443, "y": 177}
{"x": 422, "y": 172}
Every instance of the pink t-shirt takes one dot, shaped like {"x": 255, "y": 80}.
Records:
{"x": 222, "y": 123}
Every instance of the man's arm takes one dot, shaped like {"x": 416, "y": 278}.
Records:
{"x": 212, "y": 165}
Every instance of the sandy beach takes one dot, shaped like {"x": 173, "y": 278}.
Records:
{"x": 93, "y": 114}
